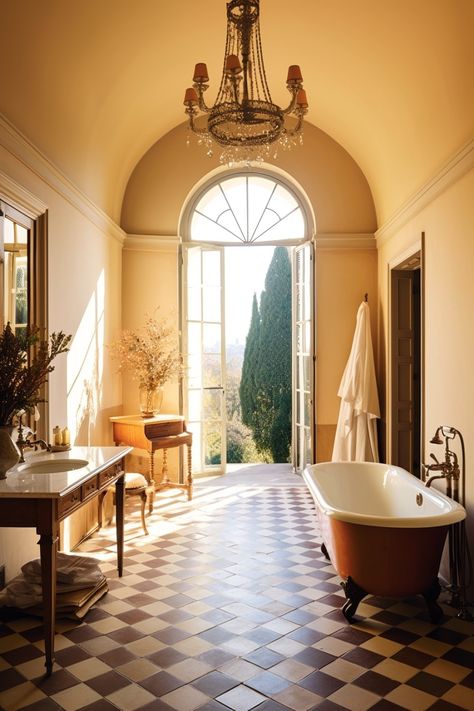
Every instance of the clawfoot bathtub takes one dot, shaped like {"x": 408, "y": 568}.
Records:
{"x": 383, "y": 530}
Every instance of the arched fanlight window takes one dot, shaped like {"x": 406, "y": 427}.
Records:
{"x": 247, "y": 209}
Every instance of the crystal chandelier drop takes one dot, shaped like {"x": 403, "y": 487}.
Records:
{"x": 244, "y": 121}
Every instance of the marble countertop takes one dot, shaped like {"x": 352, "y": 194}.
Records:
{"x": 19, "y": 484}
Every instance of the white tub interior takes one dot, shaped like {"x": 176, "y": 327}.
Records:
{"x": 378, "y": 495}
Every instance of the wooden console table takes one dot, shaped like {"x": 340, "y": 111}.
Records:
{"x": 152, "y": 433}
{"x": 43, "y": 500}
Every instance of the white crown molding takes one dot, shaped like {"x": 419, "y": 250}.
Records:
{"x": 151, "y": 243}
{"x": 27, "y": 153}
{"x": 20, "y": 198}
{"x": 459, "y": 164}
{"x": 344, "y": 240}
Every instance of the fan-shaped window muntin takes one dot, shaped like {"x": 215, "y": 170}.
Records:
{"x": 248, "y": 209}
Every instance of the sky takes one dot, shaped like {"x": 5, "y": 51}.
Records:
{"x": 245, "y": 271}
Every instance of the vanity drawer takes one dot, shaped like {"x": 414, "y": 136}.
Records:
{"x": 70, "y": 501}
{"x": 89, "y": 488}
{"x": 110, "y": 473}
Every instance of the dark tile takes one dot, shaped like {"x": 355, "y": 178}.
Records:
{"x": 314, "y": 658}
{"x": 460, "y": 656}
{"x": 413, "y": 658}
{"x": 215, "y": 657}
{"x": 117, "y": 657}
{"x": 441, "y": 705}
{"x": 306, "y": 636}
{"x": 385, "y": 705}
{"x": 442, "y": 634}
{"x": 178, "y": 600}
{"x": 107, "y": 683}
{"x": 100, "y": 705}
{"x": 126, "y": 634}
{"x": 215, "y": 683}
{"x": 389, "y": 618}
{"x": 175, "y": 616}
{"x": 170, "y": 635}
{"x": 327, "y": 705}
{"x": 262, "y": 635}
{"x": 400, "y": 636}
{"x": 363, "y": 657}
{"x": 58, "y": 681}
{"x": 264, "y": 657}
{"x": 216, "y": 635}
{"x": 268, "y": 683}
{"x": 22, "y": 654}
{"x": 321, "y": 683}
{"x": 81, "y": 634}
{"x": 43, "y": 705}
{"x": 131, "y": 617}
{"x": 155, "y": 705}
{"x": 348, "y": 634}
{"x": 431, "y": 684}
{"x": 70, "y": 655}
{"x": 161, "y": 683}
{"x": 10, "y": 678}
{"x": 139, "y": 600}
{"x": 377, "y": 683}
{"x": 468, "y": 681}
{"x": 167, "y": 657}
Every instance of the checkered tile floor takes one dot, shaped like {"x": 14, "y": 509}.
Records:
{"x": 229, "y": 604}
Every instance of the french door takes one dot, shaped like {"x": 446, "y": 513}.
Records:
{"x": 203, "y": 339}
{"x": 204, "y": 351}
{"x": 303, "y": 445}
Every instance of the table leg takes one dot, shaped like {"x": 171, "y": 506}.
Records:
{"x": 119, "y": 520}
{"x": 48, "y": 543}
{"x": 190, "y": 473}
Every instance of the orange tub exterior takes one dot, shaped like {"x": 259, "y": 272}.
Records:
{"x": 392, "y": 562}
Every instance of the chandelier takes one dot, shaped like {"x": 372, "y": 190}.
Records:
{"x": 244, "y": 121}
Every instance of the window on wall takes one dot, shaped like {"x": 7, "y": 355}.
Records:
{"x": 15, "y": 273}
{"x": 247, "y": 209}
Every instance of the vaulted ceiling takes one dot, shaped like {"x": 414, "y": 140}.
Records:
{"x": 94, "y": 83}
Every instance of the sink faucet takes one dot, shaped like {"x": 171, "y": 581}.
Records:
{"x": 30, "y": 441}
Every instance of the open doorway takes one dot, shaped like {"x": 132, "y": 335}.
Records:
{"x": 235, "y": 228}
{"x": 406, "y": 363}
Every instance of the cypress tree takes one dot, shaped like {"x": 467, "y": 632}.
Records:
{"x": 248, "y": 385}
{"x": 274, "y": 362}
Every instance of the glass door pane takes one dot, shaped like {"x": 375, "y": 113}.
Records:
{"x": 204, "y": 353}
{"x": 303, "y": 358}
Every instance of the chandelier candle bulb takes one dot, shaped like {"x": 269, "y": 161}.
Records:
{"x": 301, "y": 99}
{"x": 232, "y": 64}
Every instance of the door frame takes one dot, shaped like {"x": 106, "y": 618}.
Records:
{"x": 407, "y": 260}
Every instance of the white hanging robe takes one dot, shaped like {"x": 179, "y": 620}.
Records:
{"x": 356, "y": 433}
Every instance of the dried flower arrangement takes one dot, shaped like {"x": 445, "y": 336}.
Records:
{"x": 149, "y": 353}
{"x": 25, "y": 362}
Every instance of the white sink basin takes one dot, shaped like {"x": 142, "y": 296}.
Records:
{"x": 49, "y": 466}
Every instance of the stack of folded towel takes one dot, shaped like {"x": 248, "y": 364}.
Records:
{"x": 79, "y": 584}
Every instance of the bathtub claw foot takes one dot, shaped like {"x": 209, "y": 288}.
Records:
{"x": 431, "y": 595}
{"x": 324, "y": 551}
{"x": 354, "y": 594}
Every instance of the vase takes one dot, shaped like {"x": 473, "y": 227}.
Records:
{"x": 150, "y": 401}
{"x": 9, "y": 452}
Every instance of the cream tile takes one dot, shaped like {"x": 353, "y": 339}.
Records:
{"x": 75, "y": 697}
{"x": 354, "y": 698}
{"x": 124, "y": 591}
{"x": 130, "y": 697}
{"x": 382, "y": 646}
{"x": 21, "y": 695}
{"x": 108, "y": 624}
{"x": 156, "y": 608}
{"x": 240, "y": 669}
{"x": 34, "y": 668}
{"x": 238, "y": 625}
{"x": 138, "y": 669}
{"x": 192, "y": 646}
{"x": 186, "y": 698}
{"x": 292, "y": 670}
{"x": 334, "y": 646}
{"x": 11, "y": 641}
{"x": 145, "y": 646}
{"x": 410, "y": 698}
{"x": 88, "y": 668}
{"x": 195, "y": 626}
{"x": 343, "y": 670}
{"x": 326, "y": 626}
{"x": 280, "y": 626}
{"x": 467, "y": 644}
{"x": 99, "y": 645}
{"x": 297, "y": 698}
{"x": 189, "y": 669}
{"x": 116, "y": 607}
{"x": 287, "y": 647}
{"x": 460, "y": 696}
{"x": 240, "y": 645}
{"x": 447, "y": 670}
{"x": 196, "y": 608}
{"x": 150, "y": 624}
{"x": 430, "y": 646}
{"x": 241, "y": 698}
{"x": 395, "y": 670}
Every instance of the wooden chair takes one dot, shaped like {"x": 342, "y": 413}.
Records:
{"x": 135, "y": 485}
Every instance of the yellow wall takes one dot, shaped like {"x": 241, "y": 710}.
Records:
{"x": 449, "y": 299}
{"x": 85, "y": 284}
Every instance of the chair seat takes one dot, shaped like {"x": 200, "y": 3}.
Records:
{"x": 133, "y": 480}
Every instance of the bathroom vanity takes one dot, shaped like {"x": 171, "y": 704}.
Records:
{"x": 44, "y": 491}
